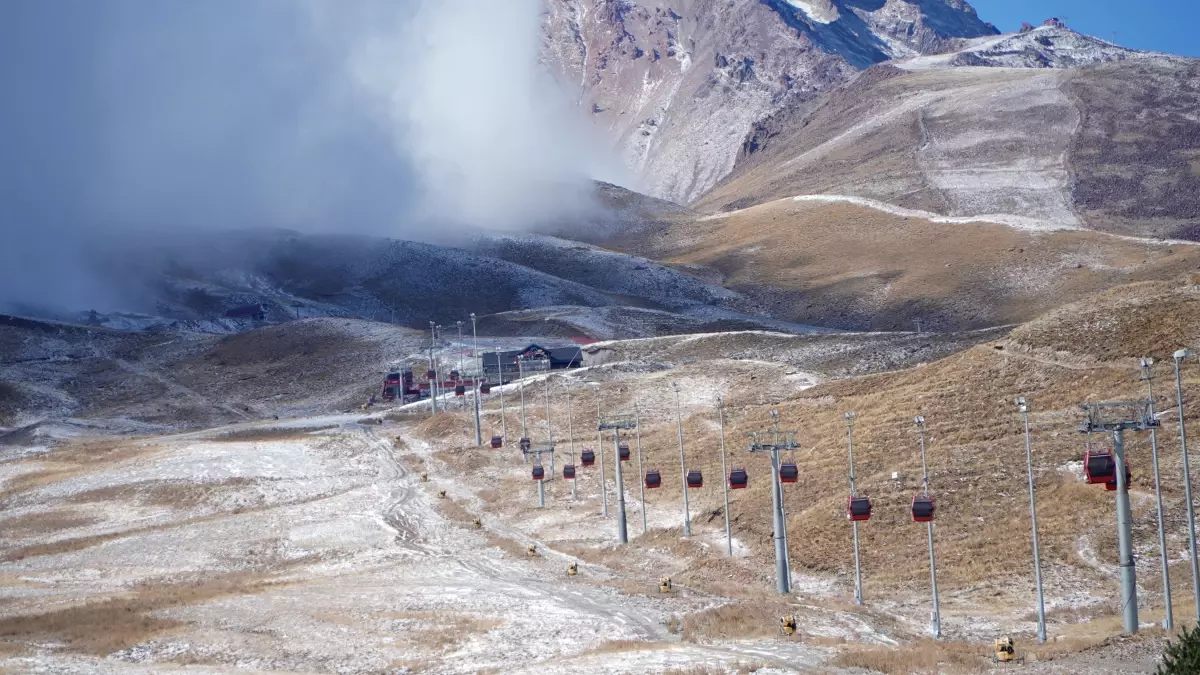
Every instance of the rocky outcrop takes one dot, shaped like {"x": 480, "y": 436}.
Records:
{"x": 678, "y": 84}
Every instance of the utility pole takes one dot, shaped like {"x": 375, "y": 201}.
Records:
{"x": 549, "y": 431}
{"x": 725, "y": 475}
{"x": 475, "y": 354}
{"x": 637, "y": 420}
{"x": 850, "y": 417}
{"x": 571, "y": 442}
{"x": 500, "y": 376}
{"x": 616, "y": 424}
{"x": 1023, "y": 407}
{"x": 432, "y": 369}
{"x": 1132, "y": 416}
{"x": 1187, "y": 480}
{"x": 460, "y": 345}
{"x": 1147, "y": 365}
{"x": 521, "y": 379}
{"x": 936, "y": 623}
{"x": 773, "y": 441}
{"x": 687, "y": 517}
{"x": 600, "y": 449}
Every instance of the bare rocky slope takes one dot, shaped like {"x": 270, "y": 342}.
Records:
{"x": 659, "y": 74}
{"x": 1048, "y": 129}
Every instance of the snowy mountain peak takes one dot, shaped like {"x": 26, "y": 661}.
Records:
{"x": 1047, "y": 46}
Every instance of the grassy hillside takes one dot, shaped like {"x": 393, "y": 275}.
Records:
{"x": 848, "y": 266}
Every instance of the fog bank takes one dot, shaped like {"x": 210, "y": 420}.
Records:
{"x": 392, "y": 117}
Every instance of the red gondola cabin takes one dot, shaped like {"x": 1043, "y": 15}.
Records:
{"x": 460, "y": 390}
{"x": 788, "y": 472}
{"x": 738, "y": 479}
{"x": 587, "y": 457}
{"x": 568, "y": 471}
{"x": 497, "y": 442}
{"x": 1111, "y": 485}
{"x": 430, "y": 374}
{"x": 1098, "y": 466}
{"x": 538, "y": 472}
{"x": 485, "y": 388}
{"x": 623, "y": 452}
{"x": 695, "y": 479}
{"x": 653, "y": 479}
{"x": 858, "y": 508}
{"x": 922, "y": 508}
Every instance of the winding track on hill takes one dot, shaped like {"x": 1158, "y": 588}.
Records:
{"x": 404, "y": 513}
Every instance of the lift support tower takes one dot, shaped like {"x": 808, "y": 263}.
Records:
{"x": 1117, "y": 417}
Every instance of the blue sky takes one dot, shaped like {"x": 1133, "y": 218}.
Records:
{"x": 1159, "y": 25}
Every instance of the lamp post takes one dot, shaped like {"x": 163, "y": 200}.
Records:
{"x": 936, "y": 620}
{"x": 1023, "y": 407}
{"x": 432, "y": 369}
{"x": 475, "y": 354}
{"x": 687, "y": 517}
{"x": 1168, "y": 613}
{"x": 850, "y": 417}
{"x": 549, "y": 430}
{"x": 725, "y": 476}
{"x": 637, "y": 419}
{"x": 500, "y": 377}
{"x": 600, "y": 449}
{"x": 571, "y": 441}
{"x": 1187, "y": 480}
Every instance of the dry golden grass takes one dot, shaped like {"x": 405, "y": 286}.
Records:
{"x": 439, "y": 631}
{"x": 925, "y": 656}
{"x": 46, "y": 522}
{"x": 71, "y": 545}
{"x": 405, "y": 416}
{"x": 880, "y": 271}
{"x": 744, "y": 619}
{"x": 107, "y": 626}
{"x": 1125, "y": 323}
{"x": 270, "y": 434}
{"x": 173, "y": 493}
{"x": 445, "y": 426}
{"x": 512, "y": 548}
{"x": 695, "y": 670}
{"x": 454, "y": 511}
{"x": 622, "y": 646}
{"x": 73, "y": 460}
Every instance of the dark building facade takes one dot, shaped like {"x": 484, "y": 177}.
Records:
{"x": 532, "y": 359}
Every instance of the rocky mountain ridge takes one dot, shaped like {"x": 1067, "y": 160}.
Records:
{"x": 658, "y": 75}
{"x": 681, "y": 85}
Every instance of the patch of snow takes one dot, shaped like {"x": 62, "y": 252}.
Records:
{"x": 1011, "y": 220}
{"x": 824, "y": 13}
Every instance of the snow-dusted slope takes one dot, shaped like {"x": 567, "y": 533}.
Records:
{"x": 1042, "y": 47}
{"x": 678, "y": 84}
